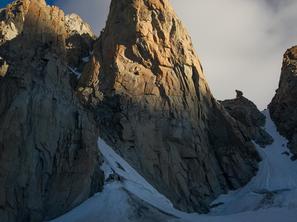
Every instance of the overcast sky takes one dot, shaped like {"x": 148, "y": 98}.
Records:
{"x": 240, "y": 42}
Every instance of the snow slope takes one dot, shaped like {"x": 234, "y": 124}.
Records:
{"x": 275, "y": 184}
{"x": 270, "y": 196}
{"x": 114, "y": 204}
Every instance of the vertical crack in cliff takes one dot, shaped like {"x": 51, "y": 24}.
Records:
{"x": 146, "y": 66}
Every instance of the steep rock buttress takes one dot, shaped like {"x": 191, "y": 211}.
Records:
{"x": 154, "y": 106}
{"x": 249, "y": 118}
{"x": 282, "y": 108}
{"x": 48, "y": 155}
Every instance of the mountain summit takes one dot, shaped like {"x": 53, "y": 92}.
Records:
{"x": 139, "y": 87}
{"x": 157, "y": 110}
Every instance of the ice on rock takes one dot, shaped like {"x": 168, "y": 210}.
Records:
{"x": 270, "y": 196}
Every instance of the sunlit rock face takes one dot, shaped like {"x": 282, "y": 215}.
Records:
{"x": 12, "y": 20}
{"x": 153, "y": 104}
{"x": 48, "y": 154}
{"x": 283, "y": 106}
{"x": 144, "y": 85}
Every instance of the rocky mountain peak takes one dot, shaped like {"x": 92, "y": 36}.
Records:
{"x": 239, "y": 93}
{"x": 49, "y": 162}
{"x": 290, "y": 55}
{"x": 283, "y": 105}
{"x": 45, "y": 24}
{"x": 69, "y": 36}
{"x": 12, "y": 19}
{"x": 75, "y": 25}
{"x": 142, "y": 85}
{"x": 154, "y": 106}
{"x": 140, "y": 90}
{"x": 79, "y": 42}
{"x": 150, "y": 43}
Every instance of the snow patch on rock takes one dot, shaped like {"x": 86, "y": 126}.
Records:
{"x": 275, "y": 184}
{"x": 75, "y": 72}
{"x": 270, "y": 196}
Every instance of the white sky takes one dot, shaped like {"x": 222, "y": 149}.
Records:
{"x": 240, "y": 42}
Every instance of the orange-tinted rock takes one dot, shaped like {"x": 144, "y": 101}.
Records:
{"x": 157, "y": 109}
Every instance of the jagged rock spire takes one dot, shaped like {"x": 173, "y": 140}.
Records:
{"x": 153, "y": 103}
{"x": 239, "y": 93}
{"x": 148, "y": 34}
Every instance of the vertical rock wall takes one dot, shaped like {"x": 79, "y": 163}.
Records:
{"x": 154, "y": 105}
{"x": 283, "y": 106}
{"x": 48, "y": 154}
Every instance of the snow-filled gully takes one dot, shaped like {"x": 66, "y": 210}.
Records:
{"x": 270, "y": 196}
{"x": 275, "y": 184}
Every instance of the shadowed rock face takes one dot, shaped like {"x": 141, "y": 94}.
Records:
{"x": 153, "y": 104}
{"x": 147, "y": 89}
{"x": 79, "y": 42}
{"x": 283, "y": 106}
{"x": 48, "y": 154}
{"x": 250, "y": 119}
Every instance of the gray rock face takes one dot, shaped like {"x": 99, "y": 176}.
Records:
{"x": 154, "y": 105}
{"x": 283, "y": 107}
{"x": 250, "y": 119}
{"x": 48, "y": 152}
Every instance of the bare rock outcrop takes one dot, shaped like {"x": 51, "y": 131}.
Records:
{"x": 283, "y": 107}
{"x": 153, "y": 104}
{"x": 251, "y": 119}
{"x": 79, "y": 42}
{"x": 12, "y": 20}
{"x": 48, "y": 153}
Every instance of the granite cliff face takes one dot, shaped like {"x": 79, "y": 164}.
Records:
{"x": 48, "y": 155}
{"x": 249, "y": 118}
{"x": 154, "y": 106}
{"x": 283, "y": 106}
{"x": 141, "y": 84}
